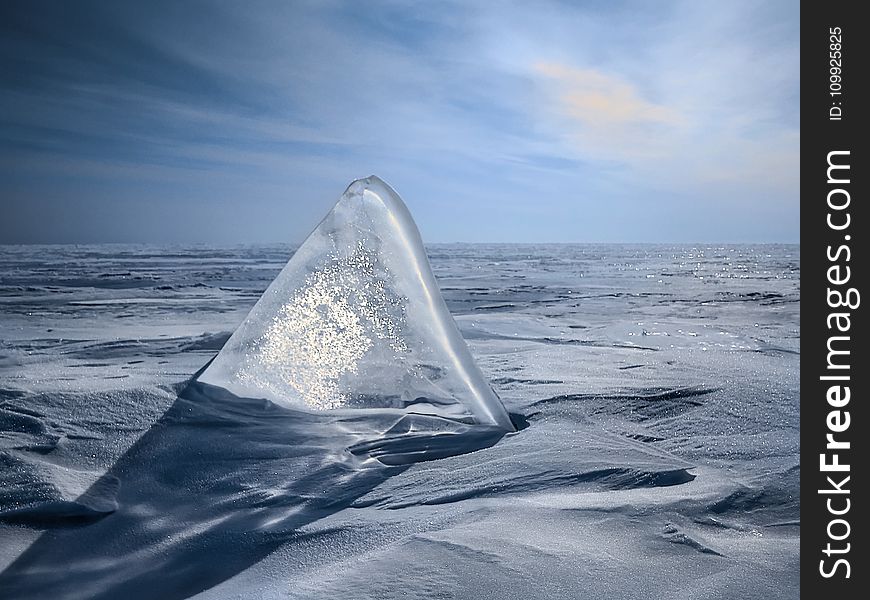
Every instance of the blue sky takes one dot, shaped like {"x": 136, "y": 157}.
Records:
{"x": 496, "y": 121}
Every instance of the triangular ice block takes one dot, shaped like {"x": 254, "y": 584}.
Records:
{"x": 356, "y": 320}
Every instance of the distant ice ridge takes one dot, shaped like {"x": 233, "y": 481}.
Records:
{"x": 356, "y": 320}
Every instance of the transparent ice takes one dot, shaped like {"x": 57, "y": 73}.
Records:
{"x": 356, "y": 320}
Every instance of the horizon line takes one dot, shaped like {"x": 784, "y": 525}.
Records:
{"x": 437, "y": 243}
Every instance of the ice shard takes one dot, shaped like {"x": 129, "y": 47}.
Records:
{"x": 356, "y": 320}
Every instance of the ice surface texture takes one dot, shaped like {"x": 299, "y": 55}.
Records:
{"x": 356, "y": 320}
{"x": 629, "y": 361}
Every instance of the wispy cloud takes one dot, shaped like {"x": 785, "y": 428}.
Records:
{"x": 591, "y": 112}
{"x": 604, "y": 115}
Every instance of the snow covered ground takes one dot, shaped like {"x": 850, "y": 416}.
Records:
{"x": 659, "y": 384}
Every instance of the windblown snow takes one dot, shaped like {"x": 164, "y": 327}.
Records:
{"x": 655, "y": 389}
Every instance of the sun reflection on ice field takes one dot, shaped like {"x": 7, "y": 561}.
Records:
{"x": 660, "y": 384}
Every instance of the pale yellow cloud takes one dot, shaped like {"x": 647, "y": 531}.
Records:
{"x": 603, "y": 113}
{"x": 602, "y": 116}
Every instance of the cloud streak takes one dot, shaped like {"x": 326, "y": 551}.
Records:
{"x": 604, "y": 115}
{"x": 592, "y": 113}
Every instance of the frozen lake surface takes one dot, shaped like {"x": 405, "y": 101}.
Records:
{"x": 659, "y": 384}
